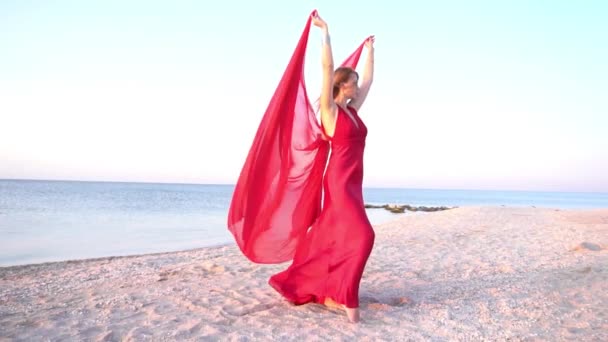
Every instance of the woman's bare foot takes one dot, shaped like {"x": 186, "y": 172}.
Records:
{"x": 351, "y": 313}
{"x": 330, "y": 303}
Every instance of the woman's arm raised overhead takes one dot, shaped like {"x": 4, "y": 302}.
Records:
{"x": 368, "y": 75}
{"x": 326, "y": 102}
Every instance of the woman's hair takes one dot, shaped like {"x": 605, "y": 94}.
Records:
{"x": 341, "y": 75}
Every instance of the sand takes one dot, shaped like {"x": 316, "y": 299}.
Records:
{"x": 465, "y": 274}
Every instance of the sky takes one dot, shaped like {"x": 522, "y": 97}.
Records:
{"x": 502, "y": 95}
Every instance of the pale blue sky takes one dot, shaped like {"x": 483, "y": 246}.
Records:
{"x": 468, "y": 94}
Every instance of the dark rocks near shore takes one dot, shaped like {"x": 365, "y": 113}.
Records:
{"x": 399, "y": 209}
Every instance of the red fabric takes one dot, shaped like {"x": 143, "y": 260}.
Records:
{"x": 330, "y": 260}
{"x": 278, "y": 194}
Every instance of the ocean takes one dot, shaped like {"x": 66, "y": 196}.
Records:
{"x": 44, "y": 221}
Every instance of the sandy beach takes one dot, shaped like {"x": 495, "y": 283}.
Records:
{"x": 465, "y": 274}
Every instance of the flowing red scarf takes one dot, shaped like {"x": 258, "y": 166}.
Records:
{"x": 278, "y": 194}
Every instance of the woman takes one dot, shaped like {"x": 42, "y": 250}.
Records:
{"x": 329, "y": 263}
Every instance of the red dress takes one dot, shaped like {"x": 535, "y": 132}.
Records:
{"x": 329, "y": 261}
{"x": 276, "y": 212}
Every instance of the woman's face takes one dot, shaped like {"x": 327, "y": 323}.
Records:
{"x": 350, "y": 88}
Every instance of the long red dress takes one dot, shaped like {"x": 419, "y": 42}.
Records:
{"x": 277, "y": 198}
{"x": 329, "y": 262}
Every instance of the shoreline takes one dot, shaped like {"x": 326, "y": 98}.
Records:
{"x": 392, "y": 216}
{"x": 394, "y": 211}
{"x": 112, "y": 257}
{"x": 395, "y": 217}
{"x": 469, "y": 273}
{"x": 376, "y": 186}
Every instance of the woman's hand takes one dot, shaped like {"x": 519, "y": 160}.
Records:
{"x": 318, "y": 21}
{"x": 369, "y": 43}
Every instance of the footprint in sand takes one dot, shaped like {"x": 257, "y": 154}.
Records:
{"x": 210, "y": 268}
{"x": 109, "y": 336}
{"x": 162, "y": 276}
{"x": 198, "y": 270}
{"x": 241, "y": 302}
{"x": 386, "y": 303}
{"x": 584, "y": 270}
{"x": 247, "y": 309}
{"x": 587, "y": 246}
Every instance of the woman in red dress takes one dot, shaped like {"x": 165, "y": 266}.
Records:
{"x": 329, "y": 262}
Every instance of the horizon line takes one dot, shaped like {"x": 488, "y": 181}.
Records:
{"x": 234, "y": 184}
